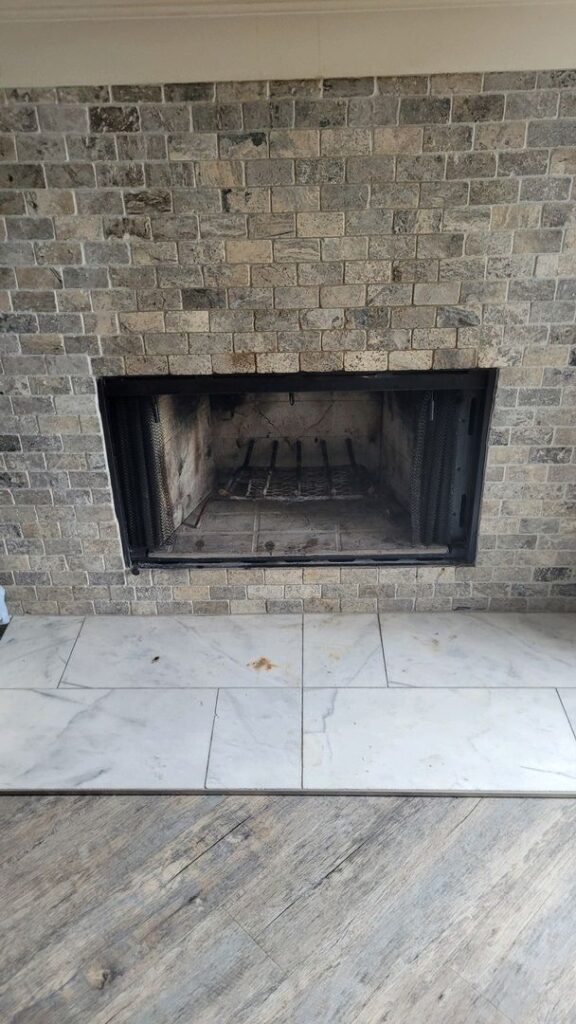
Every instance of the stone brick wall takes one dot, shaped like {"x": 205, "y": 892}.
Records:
{"x": 275, "y": 226}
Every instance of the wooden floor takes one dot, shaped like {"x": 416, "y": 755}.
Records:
{"x": 287, "y": 910}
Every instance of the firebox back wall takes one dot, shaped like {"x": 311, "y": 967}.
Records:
{"x": 364, "y": 224}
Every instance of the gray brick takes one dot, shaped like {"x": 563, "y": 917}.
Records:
{"x": 488, "y": 107}
{"x": 425, "y": 110}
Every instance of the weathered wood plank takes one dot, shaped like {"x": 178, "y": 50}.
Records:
{"x": 286, "y": 910}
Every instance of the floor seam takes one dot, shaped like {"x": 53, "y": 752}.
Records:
{"x": 73, "y": 648}
{"x": 302, "y": 713}
{"x": 383, "y": 650}
{"x": 568, "y": 719}
{"x": 211, "y": 739}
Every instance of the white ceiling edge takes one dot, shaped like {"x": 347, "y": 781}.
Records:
{"x": 120, "y": 10}
{"x": 147, "y": 50}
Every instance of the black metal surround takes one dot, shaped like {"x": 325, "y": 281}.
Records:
{"x": 130, "y": 471}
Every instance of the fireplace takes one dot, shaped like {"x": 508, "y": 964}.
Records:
{"x": 361, "y": 468}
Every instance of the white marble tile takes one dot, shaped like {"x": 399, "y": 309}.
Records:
{"x": 343, "y": 650}
{"x": 256, "y": 742}
{"x": 105, "y": 739}
{"x": 220, "y": 651}
{"x": 35, "y": 648}
{"x": 480, "y": 649}
{"x": 438, "y": 740}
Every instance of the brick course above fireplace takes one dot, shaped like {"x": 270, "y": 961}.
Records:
{"x": 412, "y": 223}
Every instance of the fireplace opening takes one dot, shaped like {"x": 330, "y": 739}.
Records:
{"x": 298, "y": 468}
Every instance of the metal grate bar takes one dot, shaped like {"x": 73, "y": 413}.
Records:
{"x": 297, "y": 482}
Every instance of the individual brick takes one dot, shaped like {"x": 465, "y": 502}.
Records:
{"x": 295, "y": 198}
{"x": 343, "y": 197}
{"x": 269, "y": 172}
{"x": 518, "y": 164}
{"x": 19, "y": 176}
{"x": 360, "y": 169}
{"x": 271, "y": 225}
{"x": 249, "y": 251}
{"x": 221, "y": 173}
{"x": 216, "y": 117}
{"x": 329, "y": 170}
{"x": 447, "y": 138}
{"x": 296, "y": 298}
{"x": 396, "y": 196}
{"x": 410, "y": 360}
{"x": 190, "y": 321}
{"x": 162, "y": 117}
{"x": 407, "y": 140}
{"x": 250, "y": 298}
{"x": 348, "y": 86}
{"x": 487, "y": 107}
{"x": 250, "y": 200}
{"x": 324, "y": 114}
{"x": 229, "y": 92}
{"x": 268, "y": 114}
{"x": 319, "y": 273}
{"x": 510, "y": 135}
{"x": 425, "y": 110}
{"x": 296, "y": 87}
{"x": 319, "y": 225}
{"x": 366, "y": 362}
{"x": 114, "y": 119}
{"x": 455, "y": 84}
{"x": 544, "y": 240}
{"x": 294, "y": 143}
{"x": 243, "y": 146}
{"x": 428, "y": 167}
{"x": 342, "y": 295}
{"x": 183, "y": 92}
{"x": 345, "y": 141}
{"x": 368, "y": 222}
{"x": 471, "y": 165}
{"x": 549, "y": 134}
{"x": 379, "y": 110}
{"x": 187, "y": 146}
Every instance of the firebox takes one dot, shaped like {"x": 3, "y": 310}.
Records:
{"x": 298, "y": 469}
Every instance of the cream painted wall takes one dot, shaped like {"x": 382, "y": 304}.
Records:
{"x": 502, "y": 37}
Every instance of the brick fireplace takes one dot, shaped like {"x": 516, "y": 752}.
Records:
{"x": 417, "y": 224}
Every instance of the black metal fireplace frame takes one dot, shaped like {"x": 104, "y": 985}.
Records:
{"x": 482, "y": 381}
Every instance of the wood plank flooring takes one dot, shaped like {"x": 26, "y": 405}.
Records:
{"x": 287, "y": 910}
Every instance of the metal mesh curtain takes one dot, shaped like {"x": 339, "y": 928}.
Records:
{"x": 141, "y": 467}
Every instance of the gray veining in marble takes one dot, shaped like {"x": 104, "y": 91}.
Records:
{"x": 35, "y": 649}
{"x": 188, "y": 651}
{"x": 480, "y": 649}
{"x": 343, "y": 650}
{"x": 105, "y": 739}
{"x": 438, "y": 740}
{"x": 256, "y": 742}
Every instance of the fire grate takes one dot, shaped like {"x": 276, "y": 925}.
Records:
{"x": 296, "y": 482}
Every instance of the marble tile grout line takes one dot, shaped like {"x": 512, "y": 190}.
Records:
{"x": 383, "y": 649}
{"x": 211, "y": 739}
{"x": 569, "y": 720}
{"x": 72, "y": 649}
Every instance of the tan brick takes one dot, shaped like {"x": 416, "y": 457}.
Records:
{"x": 411, "y": 360}
{"x": 233, "y": 362}
{"x": 240, "y": 250}
{"x": 188, "y": 320}
{"x": 367, "y": 362}
{"x": 405, "y": 139}
{"x": 319, "y": 225}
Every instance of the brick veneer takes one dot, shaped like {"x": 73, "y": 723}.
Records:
{"x": 364, "y": 224}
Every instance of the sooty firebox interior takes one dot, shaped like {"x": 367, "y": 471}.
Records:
{"x": 298, "y": 469}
